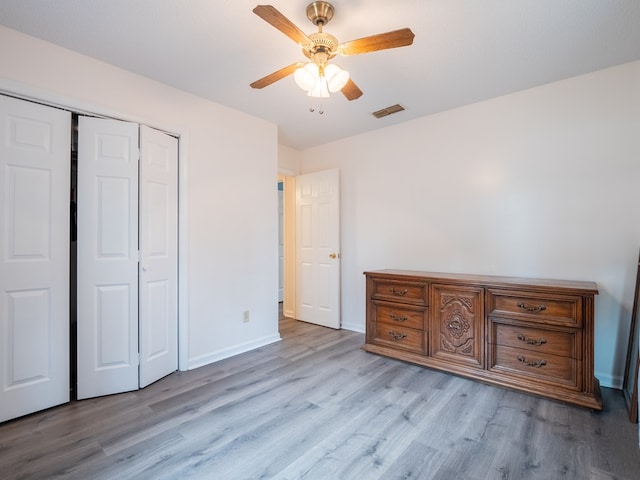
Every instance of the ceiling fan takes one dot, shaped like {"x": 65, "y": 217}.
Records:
{"x": 317, "y": 76}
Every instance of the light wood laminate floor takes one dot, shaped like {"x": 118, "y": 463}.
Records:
{"x": 315, "y": 406}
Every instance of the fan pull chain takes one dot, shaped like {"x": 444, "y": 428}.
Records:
{"x": 320, "y": 109}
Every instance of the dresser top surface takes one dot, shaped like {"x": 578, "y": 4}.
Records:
{"x": 490, "y": 280}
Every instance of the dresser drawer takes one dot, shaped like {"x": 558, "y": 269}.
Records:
{"x": 564, "y": 344}
{"x": 400, "y": 291}
{"x": 399, "y": 337}
{"x": 543, "y": 309}
{"x": 536, "y": 365}
{"x": 400, "y": 315}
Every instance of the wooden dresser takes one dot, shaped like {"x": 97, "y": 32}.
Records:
{"x": 531, "y": 335}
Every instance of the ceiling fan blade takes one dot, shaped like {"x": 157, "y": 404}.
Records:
{"x": 272, "y": 16}
{"x": 277, "y": 75}
{"x": 351, "y": 90}
{"x": 382, "y": 41}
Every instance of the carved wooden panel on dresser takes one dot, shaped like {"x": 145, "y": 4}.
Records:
{"x": 457, "y": 324}
{"x": 531, "y": 335}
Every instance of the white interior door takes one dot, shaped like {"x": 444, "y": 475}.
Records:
{"x": 318, "y": 248}
{"x": 158, "y": 271}
{"x": 107, "y": 257}
{"x": 34, "y": 256}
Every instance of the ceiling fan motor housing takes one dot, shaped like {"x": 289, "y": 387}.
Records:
{"x": 320, "y": 13}
{"x": 322, "y": 44}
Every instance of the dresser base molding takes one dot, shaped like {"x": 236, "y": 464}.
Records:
{"x": 530, "y": 335}
{"x": 591, "y": 400}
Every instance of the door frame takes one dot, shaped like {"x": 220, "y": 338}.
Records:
{"x": 288, "y": 180}
{"x": 29, "y": 93}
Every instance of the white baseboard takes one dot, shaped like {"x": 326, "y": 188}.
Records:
{"x": 213, "y": 357}
{"x": 609, "y": 381}
{"x": 354, "y": 327}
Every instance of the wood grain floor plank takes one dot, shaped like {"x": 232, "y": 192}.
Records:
{"x": 52, "y": 462}
{"x": 418, "y": 461}
{"x": 337, "y": 450}
{"x": 130, "y": 462}
{"x": 221, "y": 455}
{"x": 608, "y": 439}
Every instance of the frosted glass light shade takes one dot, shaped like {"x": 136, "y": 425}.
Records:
{"x": 336, "y": 77}
{"x": 306, "y": 77}
{"x": 320, "y": 89}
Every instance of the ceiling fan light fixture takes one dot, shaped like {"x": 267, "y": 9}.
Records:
{"x": 318, "y": 81}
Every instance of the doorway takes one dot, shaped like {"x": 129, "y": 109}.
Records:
{"x": 311, "y": 244}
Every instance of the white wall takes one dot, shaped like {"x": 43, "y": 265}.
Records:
{"x": 541, "y": 183}
{"x": 289, "y": 160}
{"x": 229, "y": 211}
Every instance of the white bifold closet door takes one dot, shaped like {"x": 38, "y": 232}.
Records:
{"x": 127, "y": 256}
{"x": 35, "y": 163}
{"x": 158, "y": 277}
{"x": 107, "y": 257}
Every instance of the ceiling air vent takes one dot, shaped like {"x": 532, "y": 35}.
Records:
{"x": 388, "y": 111}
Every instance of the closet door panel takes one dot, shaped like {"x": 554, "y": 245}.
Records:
{"x": 107, "y": 289}
{"x": 158, "y": 255}
{"x": 34, "y": 257}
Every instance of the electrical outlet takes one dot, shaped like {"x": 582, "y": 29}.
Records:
{"x": 245, "y": 316}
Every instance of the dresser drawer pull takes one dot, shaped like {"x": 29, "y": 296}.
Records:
{"x": 455, "y": 325}
{"x": 532, "y": 341}
{"x": 397, "y": 336}
{"x": 530, "y": 363}
{"x": 532, "y": 308}
{"x": 398, "y": 318}
{"x": 400, "y": 293}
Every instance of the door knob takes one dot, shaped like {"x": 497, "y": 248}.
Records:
{"x": 334, "y": 255}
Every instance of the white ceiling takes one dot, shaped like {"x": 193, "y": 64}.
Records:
{"x": 464, "y": 51}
